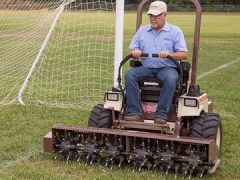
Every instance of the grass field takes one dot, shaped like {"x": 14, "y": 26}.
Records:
{"x": 22, "y": 127}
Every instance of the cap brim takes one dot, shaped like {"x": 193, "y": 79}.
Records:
{"x": 154, "y": 12}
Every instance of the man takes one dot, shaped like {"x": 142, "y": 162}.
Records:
{"x": 162, "y": 38}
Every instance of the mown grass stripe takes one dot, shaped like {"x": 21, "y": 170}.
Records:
{"x": 6, "y": 164}
{"x": 218, "y": 68}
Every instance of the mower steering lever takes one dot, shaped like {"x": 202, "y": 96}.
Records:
{"x": 131, "y": 56}
{"x": 168, "y": 56}
{"x": 153, "y": 55}
{"x": 144, "y": 55}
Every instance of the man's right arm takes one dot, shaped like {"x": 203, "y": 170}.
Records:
{"x": 135, "y": 46}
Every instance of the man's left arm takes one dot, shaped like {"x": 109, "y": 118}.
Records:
{"x": 180, "y": 50}
{"x": 179, "y": 47}
{"x": 179, "y": 55}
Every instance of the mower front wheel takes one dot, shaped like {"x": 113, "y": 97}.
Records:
{"x": 208, "y": 125}
{"x": 100, "y": 117}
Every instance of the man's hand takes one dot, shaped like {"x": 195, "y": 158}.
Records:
{"x": 136, "y": 53}
{"x": 176, "y": 55}
{"x": 163, "y": 54}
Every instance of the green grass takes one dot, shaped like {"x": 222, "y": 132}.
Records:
{"x": 22, "y": 127}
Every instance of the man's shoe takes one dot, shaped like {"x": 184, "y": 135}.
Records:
{"x": 138, "y": 118}
{"x": 158, "y": 120}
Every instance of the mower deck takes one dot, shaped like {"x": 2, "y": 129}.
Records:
{"x": 191, "y": 156}
{"x": 51, "y": 138}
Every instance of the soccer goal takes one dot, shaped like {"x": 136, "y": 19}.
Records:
{"x": 59, "y": 53}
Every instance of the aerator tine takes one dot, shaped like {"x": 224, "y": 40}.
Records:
{"x": 176, "y": 168}
{"x": 121, "y": 160}
{"x": 87, "y": 160}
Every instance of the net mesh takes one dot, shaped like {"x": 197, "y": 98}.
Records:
{"x": 76, "y": 67}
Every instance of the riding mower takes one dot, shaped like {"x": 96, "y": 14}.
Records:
{"x": 190, "y": 142}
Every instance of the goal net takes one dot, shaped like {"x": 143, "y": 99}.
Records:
{"x": 75, "y": 66}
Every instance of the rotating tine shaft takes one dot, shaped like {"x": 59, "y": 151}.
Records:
{"x": 134, "y": 143}
{"x": 94, "y": 138}
{"x": 148, "y": 147}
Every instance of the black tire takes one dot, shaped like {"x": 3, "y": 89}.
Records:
{"x": 207, "y": 125}
{"x": 100, "y": 117}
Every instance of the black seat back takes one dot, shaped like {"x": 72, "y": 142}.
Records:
{"x": 150, "y": 89}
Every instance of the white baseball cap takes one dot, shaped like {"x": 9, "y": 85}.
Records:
{"x": 157, "y": 7}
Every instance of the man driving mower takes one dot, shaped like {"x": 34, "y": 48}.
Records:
{"x": 162, "y": 38}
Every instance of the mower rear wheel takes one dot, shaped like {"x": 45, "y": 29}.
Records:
{"x": 208, "y": 125}
{"x": 100, "y": 117}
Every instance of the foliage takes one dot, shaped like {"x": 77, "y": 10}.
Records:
{"x": 204, "y": 2}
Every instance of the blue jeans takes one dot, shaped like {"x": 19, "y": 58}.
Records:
{"x": 168, "y": 76}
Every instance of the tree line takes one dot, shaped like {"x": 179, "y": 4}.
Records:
{"x": 203, "y": 2}
{"x": 175, "y": 2}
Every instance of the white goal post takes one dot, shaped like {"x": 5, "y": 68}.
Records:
{"x": 118, "y": 53}
{"x": 32, "y": 69}
{"x": 78, "y": 58}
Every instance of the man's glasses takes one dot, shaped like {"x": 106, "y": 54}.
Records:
{"x": 152, "y": 16}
